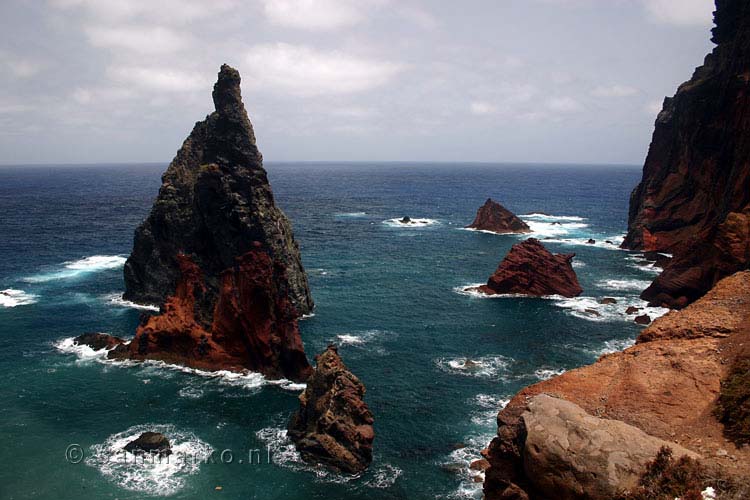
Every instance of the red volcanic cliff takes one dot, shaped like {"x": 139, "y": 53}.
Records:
{"x": 494, "y": 217}
{"x": 531, "y": 269}
{"x": 219, "y": 256}
{"x": 254, "y": 326}
{"x": 694, "y": 198}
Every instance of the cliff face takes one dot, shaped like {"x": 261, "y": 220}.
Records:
{"x": 666, "y": 385}
{"x": 214, "y": 202}
{"x": 494, "y": 217}
{"x": 694, "y": 198}
{"x": 219, "y": 256}
{"x": 531, "y": 269}
{"x": 333, "y": 425}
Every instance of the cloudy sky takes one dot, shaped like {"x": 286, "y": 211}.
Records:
{"x": 476, "y": 80}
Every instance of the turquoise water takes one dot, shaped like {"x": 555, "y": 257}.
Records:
{"x": 390, "y": 296}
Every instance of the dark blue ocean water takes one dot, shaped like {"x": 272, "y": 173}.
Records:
{"x": 390, "y": 296}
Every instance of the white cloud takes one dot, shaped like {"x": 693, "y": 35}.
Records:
{"x": 157, "y": 78}
{"x": 303, "y": 71}
{"x": 482, "y": 108}
{"x": 614, "y": 91}
{"x": 18, "y": 66}
{"x": 680, "y": 12}
{"x": 563, "y": 104}
{"x": 140, "y": 39}
{"x": 313, "y": 14}
{"x": 163, "y": 11}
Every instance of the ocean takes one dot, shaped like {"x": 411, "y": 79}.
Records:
{"x": 392, "y": 298}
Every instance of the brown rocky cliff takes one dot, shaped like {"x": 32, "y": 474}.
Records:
{"x": 666, "y": 385}
{"x": 494, "y": 217}
{"x": 531, "y": 269}
{"x": 333, "y": 426}
{"x": 694, "y": 198}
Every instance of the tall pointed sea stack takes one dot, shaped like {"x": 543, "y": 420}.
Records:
{"x": 694, "y": 199}
{"x": 219, "y": 256}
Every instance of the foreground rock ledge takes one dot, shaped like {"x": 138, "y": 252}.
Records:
{"x": 531, "y": 269}
{"x": 333, "y": 426}
{"x": 666, "y": 386}
{"x": 494, "y": 217}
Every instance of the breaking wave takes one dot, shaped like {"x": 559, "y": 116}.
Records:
{"x": 245, "y": 380}
{"x": 77, "y": 268}
{"x": 14, "y": 298}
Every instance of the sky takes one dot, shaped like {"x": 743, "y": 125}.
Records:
{"x": 553, "y": 81}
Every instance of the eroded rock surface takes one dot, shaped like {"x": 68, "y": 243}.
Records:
{"x": 531, "y": 269}
{"x": 333, "y": 426}
{"x": 494, "y": 217}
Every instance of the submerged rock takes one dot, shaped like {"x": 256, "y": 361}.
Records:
{"x": 405, "y": 220}
{"x": 98, "y": 341}
{"x": 693, "y": 200}
{"x": 333, "y": 426}
{"x": 608, "y": 300}
{"x": 643, "y": 319}
{"x": 151, "y": 443}
{"x": 494, "y": 217}
{"x": 531, "y": 269}
{"x": 632, "y": 310}
{"x": 219, "y": 256}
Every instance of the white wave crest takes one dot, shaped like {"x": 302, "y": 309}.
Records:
{"x": 415, "y": 223}
{"x": 73, "y": 269}
{"x": 552, "y": 218}
{"x": 544, "y": 229}
{"x": 153, "y": 475}
{"x": 117, "y": 300}
{"x": 351, "y": 214}
{"x": 14, "y": 298}
{"x": 489, "y": 406}
{"x": 384, "y": 477}
{"x": 547, "y": 373}
{"x": 590, "y": 309}
{"x": 482, "y": 367}
{"x": 631, "y": 284}
{"x": 471, "y": 291}
{"x": 245, "y": 379}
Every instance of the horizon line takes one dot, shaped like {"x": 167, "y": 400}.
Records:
{"x": 335, "y": 162}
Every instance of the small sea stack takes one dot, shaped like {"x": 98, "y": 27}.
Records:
{"x": 333, "y": 426}
{"x": 494, "y": 217}
{"x": 219, "y": 257}
{"x": 153, "y": 443}
{"x": 531, "y": 269}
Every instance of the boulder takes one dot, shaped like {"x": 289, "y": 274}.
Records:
{"x": 333, "y": 426}
{"x": 632, "y": 310}
{"x": 643, "y": 319}
{"x": 531, "y": 269}
{"x": 494, "y": 217}
{"x": 608, "y": 300}
{"x": 98, "y": 341}
{"x": 569, "y": 454}
{"x": 150, "y": 443}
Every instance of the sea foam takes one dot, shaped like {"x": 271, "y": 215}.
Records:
{"x": 153, "y": 475}
{"x": 14, "y": 298}
{"x": 414, "y": 224}
{"x": 245, "y": 380}
{"x": 77, "y": 268}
